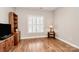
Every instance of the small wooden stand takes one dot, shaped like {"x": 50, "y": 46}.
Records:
{"x": 51, "y": 34}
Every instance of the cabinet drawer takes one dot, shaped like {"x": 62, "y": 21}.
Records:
{"x": 2, "y": 47}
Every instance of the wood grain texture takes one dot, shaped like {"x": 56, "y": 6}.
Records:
{"x": 43, "y": 45}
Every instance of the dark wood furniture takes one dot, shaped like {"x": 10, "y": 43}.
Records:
{"x": 13, "y": 20}
{"x": 51, "y": 34}
{"x": 7, "y": 44}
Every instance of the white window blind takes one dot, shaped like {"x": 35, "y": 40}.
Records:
{"x": 35, "y": 24}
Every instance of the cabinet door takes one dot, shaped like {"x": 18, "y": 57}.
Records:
{"x": 16, "y": 38}
{"x": 12, "y": 42}
{"x": 7, "y": 45}
{"x": 2, "y": 47}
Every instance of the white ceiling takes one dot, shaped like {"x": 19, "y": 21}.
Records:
{"x": 41, "y": 8}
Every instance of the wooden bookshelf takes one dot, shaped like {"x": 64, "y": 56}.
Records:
{"x": 13, "y": 20}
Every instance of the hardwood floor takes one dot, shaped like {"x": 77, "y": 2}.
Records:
{"x": 43, "y": 45}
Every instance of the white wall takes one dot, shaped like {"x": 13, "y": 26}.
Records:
{"x": 4, "y": 11}
{"x": 23, "y": 14}
{"x": 67, "y": 25}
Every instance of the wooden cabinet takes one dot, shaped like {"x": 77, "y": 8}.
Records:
{"x": 7, "y": 44}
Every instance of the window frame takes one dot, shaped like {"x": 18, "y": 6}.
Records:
{"x": 41, "y": 25}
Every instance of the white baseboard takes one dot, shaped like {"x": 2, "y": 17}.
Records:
{"x": 68, "y": 43}
{"x": 33, "y": 37}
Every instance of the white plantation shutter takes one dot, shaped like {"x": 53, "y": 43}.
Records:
{"x": 35, "y": 24}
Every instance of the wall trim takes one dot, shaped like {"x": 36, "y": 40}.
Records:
{"x": 33, "y": 37}
{"x": 68, "y": 42}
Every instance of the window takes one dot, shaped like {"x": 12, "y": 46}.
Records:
{"x": 35, "y": 24}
